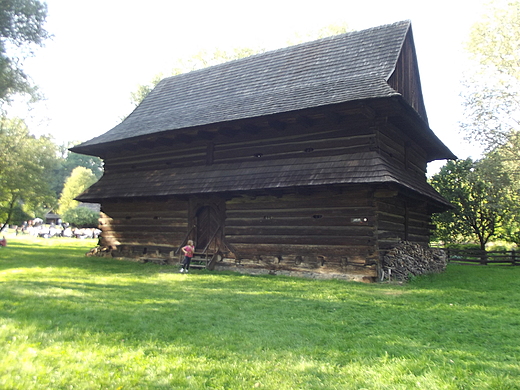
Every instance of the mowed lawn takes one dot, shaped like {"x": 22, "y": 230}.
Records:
{"x": 73, "y": 322}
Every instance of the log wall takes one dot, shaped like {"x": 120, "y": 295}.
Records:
{"x": 401, "y": 150}
{"x": 143, "y": 226}
{"x": 326, "y": 231}
{"x": 321, "y": 137}
{"x": 401, "y": 219}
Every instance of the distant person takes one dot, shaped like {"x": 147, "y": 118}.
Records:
{"x": 188, "y": 255}
{"x": 3, "y": 242}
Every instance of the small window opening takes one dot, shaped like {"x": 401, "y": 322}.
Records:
{"x": 317, "y": 216}
{"x": 156, "y": 217}
{"x": 258, "y": 155}
{"x": 268, "y": 217}
{"x": 309, "y": 150}
{"x": 128, "y": 217}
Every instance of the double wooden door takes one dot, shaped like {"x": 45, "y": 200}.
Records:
{"x": 207, "y": 222}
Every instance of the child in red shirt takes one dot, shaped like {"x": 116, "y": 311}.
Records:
{"x": 188, "y": 255}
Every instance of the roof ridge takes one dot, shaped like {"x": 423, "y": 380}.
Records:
{"x": 295, "y": 46}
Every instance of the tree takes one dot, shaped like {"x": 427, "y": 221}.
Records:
{"x": 492, "y": 88}
{"x": 79, "y": 180}
{"x": 482, "y": 198}
{"x": 81, "y": 217}
{"x": 67, "y": 161}
{"x": 21, "y": 27}
{"x": 25, "y": 163}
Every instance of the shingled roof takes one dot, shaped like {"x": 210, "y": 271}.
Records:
{"x": 338, "y": 69}
{"x": 357, "y": 168}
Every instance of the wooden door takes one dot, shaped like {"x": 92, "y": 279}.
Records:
{"x": 207, "y": 222}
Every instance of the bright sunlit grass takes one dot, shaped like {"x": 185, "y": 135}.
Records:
{"x": 70, "y": 321}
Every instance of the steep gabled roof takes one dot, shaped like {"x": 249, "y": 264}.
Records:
{"x": 338, "y": 69}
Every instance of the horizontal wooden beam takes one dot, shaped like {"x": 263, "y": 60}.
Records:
{"x": 277, "y": 124}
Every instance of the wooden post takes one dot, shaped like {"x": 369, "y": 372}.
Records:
{"x": 513, "y": 257}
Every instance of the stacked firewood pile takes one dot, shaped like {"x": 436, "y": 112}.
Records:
{"x": 408, "y": 259}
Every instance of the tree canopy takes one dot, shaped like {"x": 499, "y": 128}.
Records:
{"x": 21, "y": 28}
{"x": 482, "y": 198}
{"x": 79, "y": 180}
{"x": 492, "y": 86}
{"x": 485, "y": 192}
{"x": 25, "y": 165}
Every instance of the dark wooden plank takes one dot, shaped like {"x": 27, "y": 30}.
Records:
{"x": 300, "y": 240}
{"x": 310, "y": 231}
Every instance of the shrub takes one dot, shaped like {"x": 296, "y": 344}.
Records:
{"x": 464, "y": 246}
{"x": 81, "y": 217}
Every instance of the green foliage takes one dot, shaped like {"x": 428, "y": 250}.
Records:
{"x": 79, "y": 180}
{"x": 143, "y": 90}
{"x": 492, "y": 88}
{"x": 101, "y": 323}
{"x": 494, "y": 40}
{"x": 67, "y": 161}
{"x": 21, "y": 26}
{"x": 81, "y": 217}
{"x": 25, "y": 164}
{"x": 492, "y": 108}
{"x": 17, "y": 214}
{"x": 462, "y": 246}
{"x": 482, "y": 198}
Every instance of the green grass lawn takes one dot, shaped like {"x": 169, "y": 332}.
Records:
{"x": 73, "y": 322}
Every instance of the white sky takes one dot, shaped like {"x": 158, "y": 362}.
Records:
{"x": 103, "y": 49}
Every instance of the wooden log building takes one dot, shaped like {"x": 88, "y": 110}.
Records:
{"x": 308, "y": 160}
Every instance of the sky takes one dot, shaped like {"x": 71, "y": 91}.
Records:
{"x": 102, "y": 50}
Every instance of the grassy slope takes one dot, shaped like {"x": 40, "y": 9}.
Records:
{"x": 68, "y": 321}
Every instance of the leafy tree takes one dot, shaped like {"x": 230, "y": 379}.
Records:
{"x": 67, "y": 161}
{"x": 81, "y": 217}
{"x": 25, "y": 163}
{"x": 492, "y": 107}
{"x": 21, "y": 27}
{"x": 492, "y": 88}
{"x": 481, "y": 195}
{"x": 79, "y": 180}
